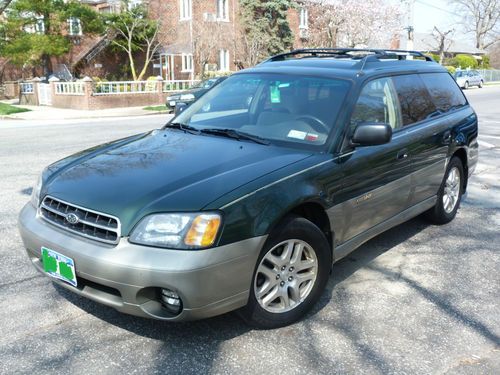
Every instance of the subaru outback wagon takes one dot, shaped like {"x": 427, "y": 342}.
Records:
{"x": 247, "y": 198}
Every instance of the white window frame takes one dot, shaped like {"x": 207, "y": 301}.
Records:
{"x": 303, "y": 18}
{"x": 187, "y": 62}
{"x": 185, "y": 7}
{"x": 222, "y": 10}
{"x": 39, "y": 25}
{"x": 131, "y": 4}
{"x": 224, "y": 60}
{"x": 74, "y": 24}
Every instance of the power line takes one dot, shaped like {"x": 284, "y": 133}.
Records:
{"x": 439, "y": 8}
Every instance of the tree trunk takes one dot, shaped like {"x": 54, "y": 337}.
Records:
{"x": 47, "y": 66}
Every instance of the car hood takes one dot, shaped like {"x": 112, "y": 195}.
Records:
{"x": 195, "y": 92}
{"x": 161, "y": 171}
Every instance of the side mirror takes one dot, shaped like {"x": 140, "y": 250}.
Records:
{"x": 179, "y": 107}
{"x": 371, "y": 134}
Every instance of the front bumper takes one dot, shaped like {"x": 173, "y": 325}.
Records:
{"x": 129, "y": 277}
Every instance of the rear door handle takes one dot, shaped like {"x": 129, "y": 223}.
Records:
{"x": 402, "y": 154}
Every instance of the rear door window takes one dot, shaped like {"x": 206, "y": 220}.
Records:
{"x": 444, "y": 91}
{"x": 416, "y": 103}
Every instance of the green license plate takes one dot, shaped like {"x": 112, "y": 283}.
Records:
{"x": 59, "y": 266}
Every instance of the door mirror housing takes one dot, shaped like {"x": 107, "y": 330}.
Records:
{"x": 371, "y": 134}
{"x": 179, "y": 107}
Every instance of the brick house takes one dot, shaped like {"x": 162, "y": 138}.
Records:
{"x": 197, "y": 36}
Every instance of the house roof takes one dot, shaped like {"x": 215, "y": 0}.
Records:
{"x": 425, "y": 42}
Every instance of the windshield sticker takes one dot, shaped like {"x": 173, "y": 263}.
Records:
{"x": 297, "y": 134}
{"x": 275, "y": 94}
{"x": 311, "y": 137}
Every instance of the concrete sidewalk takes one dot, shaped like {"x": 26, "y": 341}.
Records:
{"x": 51, "y": 113}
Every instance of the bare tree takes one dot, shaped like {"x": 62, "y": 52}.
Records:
{"x": 443, "y": 41}
{"x": 208, "y": 38}
{"x": 481, "y": 17}
{"x": 136, "y": 33}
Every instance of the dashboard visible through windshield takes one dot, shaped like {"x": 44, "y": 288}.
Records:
{"x": 275, "y": 107}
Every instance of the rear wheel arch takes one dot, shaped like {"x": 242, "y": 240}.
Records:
{"x": 462, "y": 155}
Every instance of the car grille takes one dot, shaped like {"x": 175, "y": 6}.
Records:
{"x": 91, "y": 224}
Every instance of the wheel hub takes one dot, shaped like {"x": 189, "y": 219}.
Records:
{"x": 285, "y": 276}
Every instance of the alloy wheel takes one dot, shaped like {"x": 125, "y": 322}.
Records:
{"x": 285, "y": 276}
{"x": 451, "y": 192}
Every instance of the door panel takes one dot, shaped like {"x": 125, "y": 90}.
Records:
{"x": 376, "y": 187}
{"x": 429, "y": 148}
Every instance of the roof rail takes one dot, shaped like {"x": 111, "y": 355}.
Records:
{"x": 349, "y": 53}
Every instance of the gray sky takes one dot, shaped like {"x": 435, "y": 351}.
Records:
{"x": 430, "y": 13}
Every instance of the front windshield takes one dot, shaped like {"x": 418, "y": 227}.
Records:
{"x": 277, "y": 107}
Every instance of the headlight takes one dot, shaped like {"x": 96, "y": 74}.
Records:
{"x": 177, "y": 231}
{"x": 169, "y": 98}
{"x": 35, "y": 194}
{"x": 187, "y": 97}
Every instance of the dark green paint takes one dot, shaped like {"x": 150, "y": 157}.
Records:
{"x": 173, "y": 171}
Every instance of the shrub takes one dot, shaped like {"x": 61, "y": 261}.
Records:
{"x": 463, "y": 62}
{"x": 434, "y": 56}
{"x": 451, "y": 69}
{"x": 485, "y": 62}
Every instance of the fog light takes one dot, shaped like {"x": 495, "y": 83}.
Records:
{"x": 171, "y": 301}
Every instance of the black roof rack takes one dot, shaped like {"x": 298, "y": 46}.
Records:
{"x": 367, "y": 54}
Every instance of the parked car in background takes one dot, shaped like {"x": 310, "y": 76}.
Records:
{"x": 468, "y": 78}
{"x": 193, "y": 93}
{"x": 247, "y": 198}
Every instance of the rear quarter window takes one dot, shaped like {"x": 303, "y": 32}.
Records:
{"x": 416, "y": 103}
{"x": 444, "y": 91}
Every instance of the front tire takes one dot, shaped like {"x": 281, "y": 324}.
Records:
{"x": 449, "y": 194}
{"x": 290, "y": 275}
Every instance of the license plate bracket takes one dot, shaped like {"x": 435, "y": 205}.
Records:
{"x": 59, "y": 266}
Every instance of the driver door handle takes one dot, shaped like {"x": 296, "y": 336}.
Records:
{"x": 402, "y": 154}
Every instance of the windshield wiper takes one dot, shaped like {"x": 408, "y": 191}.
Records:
{"x": 184, "y": 127}
{"x": 236, "y": 134}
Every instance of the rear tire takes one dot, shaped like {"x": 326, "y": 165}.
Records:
{"x": 481, "y": 84}
{"x": 290, "y": 275}
{"x": 466, "y": 85}
{"x": 449, "y": 195}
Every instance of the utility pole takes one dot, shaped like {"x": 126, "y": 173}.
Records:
{"x": 410, "y": 4}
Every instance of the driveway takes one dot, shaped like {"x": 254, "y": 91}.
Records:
{"x": 418, "y": 299}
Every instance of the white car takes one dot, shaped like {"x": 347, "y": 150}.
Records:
{"x": 467, "y": 78}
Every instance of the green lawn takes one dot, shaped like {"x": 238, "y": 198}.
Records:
{"x": 7, "y": 109}
{"x": 158, "y": 108}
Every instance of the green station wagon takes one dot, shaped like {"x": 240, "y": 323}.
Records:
{"x": 248, "y": 197}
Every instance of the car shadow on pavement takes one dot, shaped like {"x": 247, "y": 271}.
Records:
{"x": 179, "y": 339}
{"x": 214, "y": 331}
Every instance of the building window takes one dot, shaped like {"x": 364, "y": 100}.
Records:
{"x": 74, "y": 26}
{"x": 39, "y": 25}
{"x": 223, "y": 10}
{"x": 224, "y": 60}
{"x": 131, "y": 4}
{"x": 303, "y": 23}
{"x": 187, "y": 62}
{"x": 185, "y": 6}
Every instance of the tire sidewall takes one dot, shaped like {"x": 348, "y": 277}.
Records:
{"x": 294, "y": 227}
{"x": 447, "y": 217}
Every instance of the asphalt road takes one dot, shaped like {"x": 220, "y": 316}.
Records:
{"x": 419, "y": 299}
